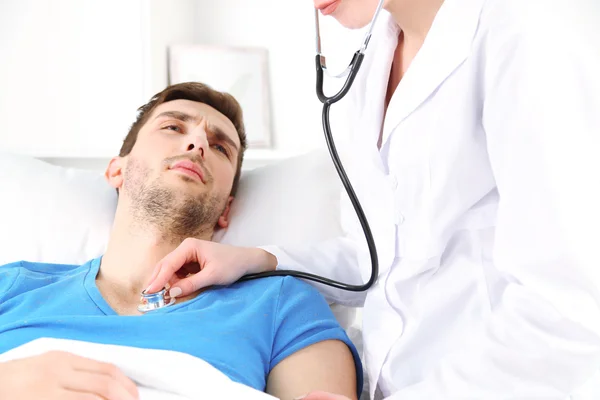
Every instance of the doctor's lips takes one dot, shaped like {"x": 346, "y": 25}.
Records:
{"x": 326, "y": 6}
{"x": 189, "y": 168}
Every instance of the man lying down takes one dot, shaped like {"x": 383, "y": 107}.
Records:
{"x": 176, "y": 176}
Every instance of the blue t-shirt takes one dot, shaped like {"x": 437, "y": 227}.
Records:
{"x": 243, "y": 330}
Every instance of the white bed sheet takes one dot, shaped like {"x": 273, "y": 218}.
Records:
{"x": 159, "y": 374}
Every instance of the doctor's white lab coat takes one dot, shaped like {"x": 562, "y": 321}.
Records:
{"x": 483, "y": 200}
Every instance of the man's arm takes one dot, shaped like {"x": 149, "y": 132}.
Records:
{"x": 310, "y": 350}
{"x": 327, "y": 366}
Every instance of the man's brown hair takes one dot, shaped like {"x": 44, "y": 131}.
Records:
{"x": 225, "y": 103}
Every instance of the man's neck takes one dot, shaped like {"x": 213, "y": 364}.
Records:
{"x": 133, "y": 251}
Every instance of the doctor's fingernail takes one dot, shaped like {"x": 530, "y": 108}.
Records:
{"x": 148, "y": 289}
{"x": 175, "y": 292}
{"x": 300, "y": 397}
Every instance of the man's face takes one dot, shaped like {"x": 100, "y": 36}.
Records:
{"x": 182, "y": 166}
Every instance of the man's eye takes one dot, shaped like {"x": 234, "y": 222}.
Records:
{"x": 221, "y": 149}
{"x": 173, "y": 128}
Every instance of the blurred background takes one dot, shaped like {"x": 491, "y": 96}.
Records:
{"x": 74, "y": 72}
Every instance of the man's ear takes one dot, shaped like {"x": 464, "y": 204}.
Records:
{"x": 223, "y": 221}
{"x": 114, "y": 172}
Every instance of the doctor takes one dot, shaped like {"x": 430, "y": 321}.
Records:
{"x": 475, "y": 126}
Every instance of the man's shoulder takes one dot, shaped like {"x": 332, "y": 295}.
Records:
{"x": 284, "y": 285}
{"x": 43, "y": 273}
{"x": 23, "y": 276}
{"x": 41, "y": 268}
{"x": 280, "y": 291}
{"x": 286, "y": 292}
{"x": 290, "y": 285}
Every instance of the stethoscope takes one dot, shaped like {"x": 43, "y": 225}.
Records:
{"x": 160, "y": 299}
{"x": 350, "y": 72}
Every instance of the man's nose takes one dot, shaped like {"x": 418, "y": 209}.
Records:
{"x": 198, "y": 141}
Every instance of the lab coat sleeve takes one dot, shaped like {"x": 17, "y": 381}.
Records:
{"x": 541, "y": 115}
{"x": 334, "y": 259}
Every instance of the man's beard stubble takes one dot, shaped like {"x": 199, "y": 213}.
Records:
{"x": 176, "y": 215}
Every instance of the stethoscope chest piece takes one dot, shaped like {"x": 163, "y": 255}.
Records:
{"x": 154, "y": 301}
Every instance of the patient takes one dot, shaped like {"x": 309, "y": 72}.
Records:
{"x": 176, "y": 175}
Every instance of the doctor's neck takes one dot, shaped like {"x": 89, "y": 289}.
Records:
{"x": 414, "y": 17}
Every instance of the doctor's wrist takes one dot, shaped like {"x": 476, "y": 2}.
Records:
{"x": 264, "y": 261}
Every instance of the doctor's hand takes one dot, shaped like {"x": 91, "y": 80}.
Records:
{"x": 64, "y": 376}
{"x": 196, "y": 264}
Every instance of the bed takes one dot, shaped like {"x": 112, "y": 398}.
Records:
{"x": 54, "y": 213}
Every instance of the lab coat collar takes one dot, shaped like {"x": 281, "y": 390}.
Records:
{"x": 446, "y": 46}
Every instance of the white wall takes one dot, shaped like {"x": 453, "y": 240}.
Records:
{"x": 73, "y": 72}
{"x": 60, "y": 72}
{"x": 166, "y": 22}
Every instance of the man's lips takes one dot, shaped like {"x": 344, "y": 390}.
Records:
{"x": 189, "y": 168}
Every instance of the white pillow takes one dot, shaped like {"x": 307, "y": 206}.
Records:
{"x": 289, "y": 202}
{"x": 50, "y": 213}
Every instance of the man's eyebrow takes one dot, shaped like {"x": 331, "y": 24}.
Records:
{"x": 215, "y": 130}
{"x": 222, "y": 136}
{"x": 177, "y": 115}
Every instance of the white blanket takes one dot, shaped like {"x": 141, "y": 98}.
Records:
{"x": 159, "y": 374}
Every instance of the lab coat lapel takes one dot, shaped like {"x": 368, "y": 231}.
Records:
{"x": 447, "y": 45}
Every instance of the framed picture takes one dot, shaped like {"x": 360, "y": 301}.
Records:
{"x": 242, "y": 72}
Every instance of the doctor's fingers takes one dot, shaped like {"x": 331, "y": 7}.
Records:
{"x": 193, "y": 283}
{"x": 187, "y": 252}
